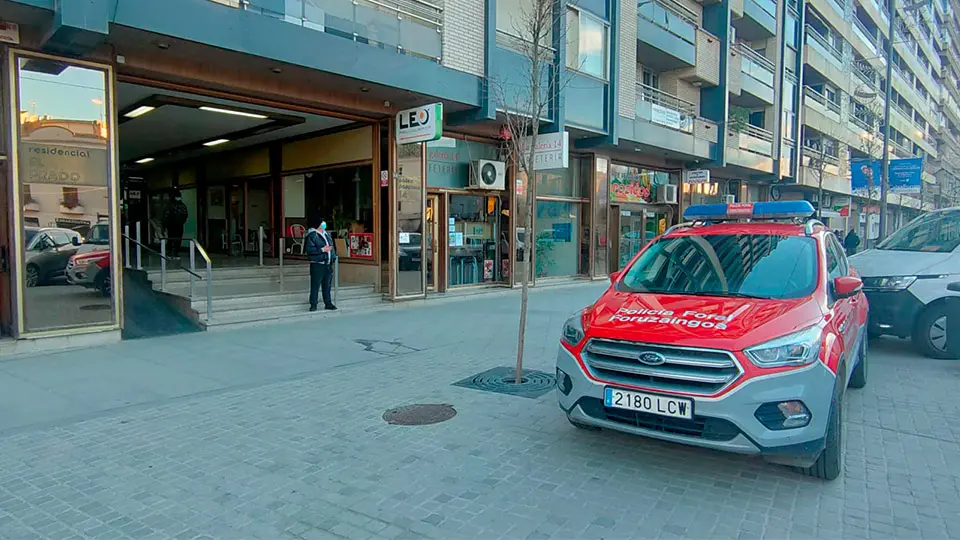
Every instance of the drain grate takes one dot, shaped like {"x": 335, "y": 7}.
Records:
{"x": 419, "y": 415}
{"x": 501, "y": 380}
{"x": 96, "y": 307}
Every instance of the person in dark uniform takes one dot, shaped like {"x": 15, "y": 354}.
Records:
{"x": 323, "y": 254}
{"x": 851, "y": 242}
{"x": 173, "y": 221}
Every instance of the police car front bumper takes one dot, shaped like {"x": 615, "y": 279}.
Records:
{"x": 728, "y": 423}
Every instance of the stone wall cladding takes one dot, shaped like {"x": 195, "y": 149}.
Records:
{"x": 628, "y": 59}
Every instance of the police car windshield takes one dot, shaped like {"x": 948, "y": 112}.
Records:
{"x": 937, "y": 232}
{"x": 732, "y": 265}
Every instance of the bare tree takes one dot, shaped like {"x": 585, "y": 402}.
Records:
{"x": 817, "y": 164}
{"x": 871, "y": 144}
{"x": 523, "y": 99}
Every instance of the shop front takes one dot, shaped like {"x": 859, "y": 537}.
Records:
{"x": 642, "y": 204}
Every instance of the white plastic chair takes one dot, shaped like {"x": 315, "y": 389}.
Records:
{"x": 297, "y": 234}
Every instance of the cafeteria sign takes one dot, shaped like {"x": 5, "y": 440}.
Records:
{"x": 420, "y": 124}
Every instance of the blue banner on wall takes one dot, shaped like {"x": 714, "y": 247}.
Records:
{"x": 905, "y": 176}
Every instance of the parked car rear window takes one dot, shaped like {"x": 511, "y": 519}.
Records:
{"x": 937, "y": 232}
{"x": 762, "y": 266}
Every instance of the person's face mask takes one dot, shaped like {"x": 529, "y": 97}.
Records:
{"x": 323, "y": 225}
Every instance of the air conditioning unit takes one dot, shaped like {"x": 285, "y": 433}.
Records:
{"x": 667, "y": 194}
{"x": 487, "y": 174}
{"x": 729, "y": 199}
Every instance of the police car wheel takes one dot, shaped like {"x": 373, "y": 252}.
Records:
{"x": 578, "y": 425}
{"x": 829, "y": 465}
{"x": 930, "y": 334}
{"x": 858, "y": 379}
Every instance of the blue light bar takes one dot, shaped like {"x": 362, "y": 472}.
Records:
{"x": 760, "y": 210}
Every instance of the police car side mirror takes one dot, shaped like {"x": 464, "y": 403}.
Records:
{"x": 75, "y": 241}
{"x": 954, "y": 287}
{"x": 614, "y": 276}
{"x": 846, "y": 286}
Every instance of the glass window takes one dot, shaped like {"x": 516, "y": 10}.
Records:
{"x": 935, "y": 232}
{"x": 513, "y": 19}
{"x": 633, "y": 184}
{"x": 472, "y": 239}
{"x": 557, "y": 243}
{"x": 834, "y": 268}
{"x": 560, "y": 182}
{"x": 64, "y": 142}
{"x": 449, "y": 160}
{"x": 764, "y": 266}
{"x": 600, "y": 204}
{"x": 410, "y": 219}
{"x": 586, "y": 43}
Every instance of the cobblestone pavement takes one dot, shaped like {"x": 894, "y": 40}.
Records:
{"x": 281, "y": 436}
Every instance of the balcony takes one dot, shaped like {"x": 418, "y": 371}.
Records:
{"x": 757, "y": 83}
{"x": 868, "y": 37}
{"x": 411, "y": 27}
{"x": 759, "y": 20}
{"x": 665, "y": 109}
{"x": 819, "y": 102}
{"x": 750, "y": 147}
{"x": 665, "y": 121}
{"x": 666, "y": 35}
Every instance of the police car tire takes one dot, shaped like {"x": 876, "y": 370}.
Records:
{"x": 921, "y": 333}
{"x": 829, "y": 465}
{"x": 578, "y": 425}
{"x": 858, "y": 379}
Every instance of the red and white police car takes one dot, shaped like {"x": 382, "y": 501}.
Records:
{"x": 739, "y": 331}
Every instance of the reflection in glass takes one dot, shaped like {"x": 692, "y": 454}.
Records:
{"x": 64, "y": 176}
{"x": 410, "y": 189}
{"x": 557, "y": 242}
{"x": 600, "y": 205}
{"x": 472, "y": 239}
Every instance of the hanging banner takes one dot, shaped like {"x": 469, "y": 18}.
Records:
{"x": 905, "y": 176}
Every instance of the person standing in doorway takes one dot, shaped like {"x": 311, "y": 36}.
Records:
{"x": 851, "y": 242}
{"x": 323, "y": 254}
{"x": 173, "y": 221}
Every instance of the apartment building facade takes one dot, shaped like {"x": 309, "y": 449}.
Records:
{"x": 259, "y": 113}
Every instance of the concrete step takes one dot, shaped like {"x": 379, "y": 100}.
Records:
{"x": 260, "y": 301}
{"x": 253, "y": 316}
{"x": 177, "y": 275}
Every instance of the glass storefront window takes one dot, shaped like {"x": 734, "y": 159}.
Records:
{"x": 449, "y": 161}
{"x": 472, "y": 239}
{"x": 600, "y": 202}
{"x": 635, "y": 185}
{"x": 557, "y": 239}
{"x": 65, "y": 181}
{"x": 708, "y": 193}
{"x": 410, "y": 191}
{"x": 561, "y": 182}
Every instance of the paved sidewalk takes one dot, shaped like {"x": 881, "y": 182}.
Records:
{"x": 276, "y": 432}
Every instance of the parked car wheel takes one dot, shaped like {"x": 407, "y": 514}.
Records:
{"x": 104, "y": 282}
{"x": 829, "y": 465}
{"x": 33, "y": 275}
{"x": 930, "y": 334}
{"x": 858, "y": 379}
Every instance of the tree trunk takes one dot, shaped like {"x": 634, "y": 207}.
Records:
{"x": 524, "y": 288}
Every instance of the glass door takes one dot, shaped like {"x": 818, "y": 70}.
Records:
{"x": 431, "y": 243}
{"x": 632, "y": 235}
{"x": 258, "y": 215}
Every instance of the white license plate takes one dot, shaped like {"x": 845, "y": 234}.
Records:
{"x": 649, "y": 403}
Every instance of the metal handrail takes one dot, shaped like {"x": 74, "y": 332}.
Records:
{"x": 162, "y": 256}
{"x": 195, "y": 247}
{"x": 685, "y": 13}
{"x": 758, "y": 132}
{"x": 812, "y": 32}
{"x": 821, "y": 98}
{"x": 670, "y": 101}
{"x": 764, "y": 62}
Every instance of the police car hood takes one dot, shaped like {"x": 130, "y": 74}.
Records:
{"x": 885, "y": 263}
{"x": 712, "y": 322}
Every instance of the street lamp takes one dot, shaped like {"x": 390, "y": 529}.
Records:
{"x": 885, "y": 168}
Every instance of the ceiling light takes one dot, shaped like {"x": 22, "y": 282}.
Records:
{"x": 364, "y": 89}
{"x": 145, "y": 160}
{"x": 139, "y": 111}
{"x": 163, "y": 45}
{"x": 230, "y": 111}
{"x": 216, "y": 142}
{"x": 277, "y": 70}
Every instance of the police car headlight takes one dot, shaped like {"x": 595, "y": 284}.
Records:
{"x": 573, "y": 329}
{"x": 891, "y": 283}
{"x": 797, "y": 349}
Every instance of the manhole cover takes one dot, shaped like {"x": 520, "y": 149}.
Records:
{"x": 419, "y": 415}
{"x": 96, "y": 307}
{"x": 502, "y": 380}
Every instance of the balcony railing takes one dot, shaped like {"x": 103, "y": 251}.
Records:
{"x": 411, "y": 27}
{"x": 756, "y": 65}
{"x": 672, "y": 17}
{"x": 753, "y": 139}
{"x": 811, "y": 152}
{"x": 822, "y": 41}
{"x": 863, "y": 123}
{"x": 665, "y": 109}
{"x": 865, "y": 34}
{"x": 821, "y": 99}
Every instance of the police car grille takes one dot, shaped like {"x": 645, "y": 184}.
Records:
{"x": 696, "y": 371}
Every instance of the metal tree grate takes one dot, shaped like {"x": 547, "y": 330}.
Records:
{"x": 501, "y": 380}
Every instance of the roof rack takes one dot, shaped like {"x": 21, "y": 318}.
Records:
{"x": 677, "y": 226}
